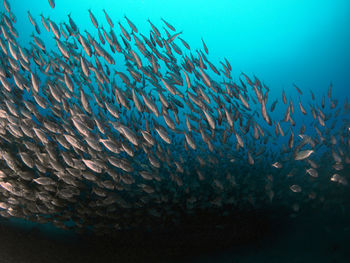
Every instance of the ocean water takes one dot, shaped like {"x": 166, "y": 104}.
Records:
{"x": 245, "y": 209}
{"x": 281, "y": 42}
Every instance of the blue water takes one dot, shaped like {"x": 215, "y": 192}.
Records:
{"x": 287, "y": 42}
{"x": 282, "y": 42}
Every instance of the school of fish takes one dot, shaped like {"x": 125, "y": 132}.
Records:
{"x": 85, "y": 144}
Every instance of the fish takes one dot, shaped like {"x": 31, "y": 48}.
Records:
{"x": 72, "y": 23}
{"x": 136, "y": 132}
{"x": 172, "y": 38}
{"x": 7, "y": 6}
{"x": 301, "y": 155}
{"x": 301, "y": 107}
{"x": 93, "y": 18}
{"x": 273, "y": 106}
{"x": 277, "y": 165}
{"x": 339, "y": 179}
{"x": 168, "y": 25}
{"x": 125, "y": 33}
{"x": 312, "y": 172}
{"x": 156, "y": 31}
{"x": 295, "y": 188}
{"x": 33, "y": 22}
{"x": 185, "y": 43}
{"x": 52, "y": 3}
{"x": 109, "y": 20}
{"x": 298, "y": 90}
{"x": 44, "y": 181}
{"x": 205, "y": 47}
{"x": 330, "y": 90}
{"x": 131, "y": 24}
{"x": 284, "y": 99}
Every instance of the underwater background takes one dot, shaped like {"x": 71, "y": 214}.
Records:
{"x": 283, "y": 44}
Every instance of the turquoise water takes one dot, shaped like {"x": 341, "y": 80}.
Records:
{"x": 282, "y": 43}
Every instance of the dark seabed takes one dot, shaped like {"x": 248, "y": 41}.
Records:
{"x": 264, "y": 236}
